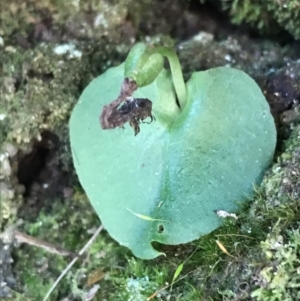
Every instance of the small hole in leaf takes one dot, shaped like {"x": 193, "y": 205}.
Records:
{"x": 161, "y": 229}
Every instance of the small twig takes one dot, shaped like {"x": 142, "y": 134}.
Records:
{"x": 246, "y": 236}
{"x": 20, "y": 237}
{"x": 64, "y": 272}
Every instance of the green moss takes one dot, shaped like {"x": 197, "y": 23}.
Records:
{"x": 265, "y": 15}
{"x": 69, "y": 228}
{"x": 252, "y": 12}
{"x": 36, "y": 102}
{"x": 279, "y": 278}
{"x": 286, "y": 13}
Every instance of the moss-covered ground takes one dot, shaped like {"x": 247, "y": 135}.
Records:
{"x": 49, "y": 51}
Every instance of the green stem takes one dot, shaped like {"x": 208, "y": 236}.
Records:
{"x": 143, "y": 65}
{"x": 176, "y": 72}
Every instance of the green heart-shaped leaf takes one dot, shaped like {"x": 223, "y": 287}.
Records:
{"x": 166, "y": 183}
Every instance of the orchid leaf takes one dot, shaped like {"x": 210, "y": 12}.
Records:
{"x": 179, "y": 169}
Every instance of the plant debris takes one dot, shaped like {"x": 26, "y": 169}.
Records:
{"x": 133, "y": 110}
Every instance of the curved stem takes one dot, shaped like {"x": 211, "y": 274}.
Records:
{"x": 176, "y": 72}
